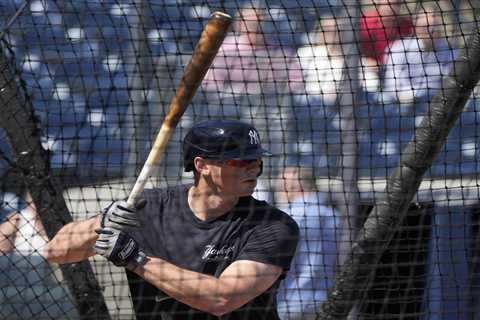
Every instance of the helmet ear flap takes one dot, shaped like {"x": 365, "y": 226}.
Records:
{"x": 188, "y": 158}
{"x": 261, "y": 169}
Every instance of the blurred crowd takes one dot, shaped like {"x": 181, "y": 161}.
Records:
{"x": 289, "y": 93}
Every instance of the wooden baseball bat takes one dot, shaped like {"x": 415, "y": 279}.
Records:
{"x": 207, "y": 47}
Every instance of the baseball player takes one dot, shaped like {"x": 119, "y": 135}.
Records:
{"x": 208, "y": 249}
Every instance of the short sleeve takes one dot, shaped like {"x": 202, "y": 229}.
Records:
{"x": 272, "y": 243}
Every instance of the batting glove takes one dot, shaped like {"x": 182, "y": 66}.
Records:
{"x": 119, "y": 215}
{"x": 119, "y": 248}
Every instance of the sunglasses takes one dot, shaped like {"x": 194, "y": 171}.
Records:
{"x": 240, "y": 163}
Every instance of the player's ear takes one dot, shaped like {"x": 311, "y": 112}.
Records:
{"x": 201, "y": 165}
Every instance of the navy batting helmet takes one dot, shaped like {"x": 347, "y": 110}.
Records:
{"x": 222, "y": 140}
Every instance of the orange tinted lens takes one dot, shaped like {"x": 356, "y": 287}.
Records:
{"x": 239, "y": 163}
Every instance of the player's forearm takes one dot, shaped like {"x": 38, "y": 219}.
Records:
{"x": 200, "y": 291}
{"x": 74, "y": 242}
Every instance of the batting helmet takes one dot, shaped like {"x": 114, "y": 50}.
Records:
{"x": 222, "y": 140}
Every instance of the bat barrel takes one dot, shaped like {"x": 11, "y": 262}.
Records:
{"x": 202, "y": 57}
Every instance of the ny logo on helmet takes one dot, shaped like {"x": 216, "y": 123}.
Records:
{"x": 254, "y": 138}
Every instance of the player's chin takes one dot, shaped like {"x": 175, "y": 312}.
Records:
{"x": 247, "y": 187}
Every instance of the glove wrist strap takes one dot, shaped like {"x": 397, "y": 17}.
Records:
{"x": 139, "y": 260}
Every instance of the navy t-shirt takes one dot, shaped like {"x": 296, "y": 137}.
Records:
{"x": 252, "y": 230}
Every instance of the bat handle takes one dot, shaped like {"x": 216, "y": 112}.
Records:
{"x": 139, "y": 185}
{"x": 151, "y": 163}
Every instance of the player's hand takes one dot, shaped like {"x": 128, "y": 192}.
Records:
{"x": 119, "y": 215}
{"x": 119, "y": 248}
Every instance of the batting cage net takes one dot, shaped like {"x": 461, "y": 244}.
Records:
{"x": 368, "y": 107}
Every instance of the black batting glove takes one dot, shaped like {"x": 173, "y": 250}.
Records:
{"x": 119, "y": 215}
{"x": 119, "y": 248}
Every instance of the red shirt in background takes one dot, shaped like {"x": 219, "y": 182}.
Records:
{"x": 375, "y": 37}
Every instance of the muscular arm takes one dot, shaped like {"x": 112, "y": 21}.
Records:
{"x": 74, "y": 242}
{"x": 242, "y": 281}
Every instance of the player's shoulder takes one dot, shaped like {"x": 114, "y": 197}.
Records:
{"x": 267, "y": 214}
{"x": 165, "y": 194}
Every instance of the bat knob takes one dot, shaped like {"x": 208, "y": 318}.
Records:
{"x": 220, "y": 15}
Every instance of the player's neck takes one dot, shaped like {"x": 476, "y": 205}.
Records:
{"x": 207, "y": 204}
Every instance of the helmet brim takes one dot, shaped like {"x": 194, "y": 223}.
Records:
{"x": 247, "y": 155}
